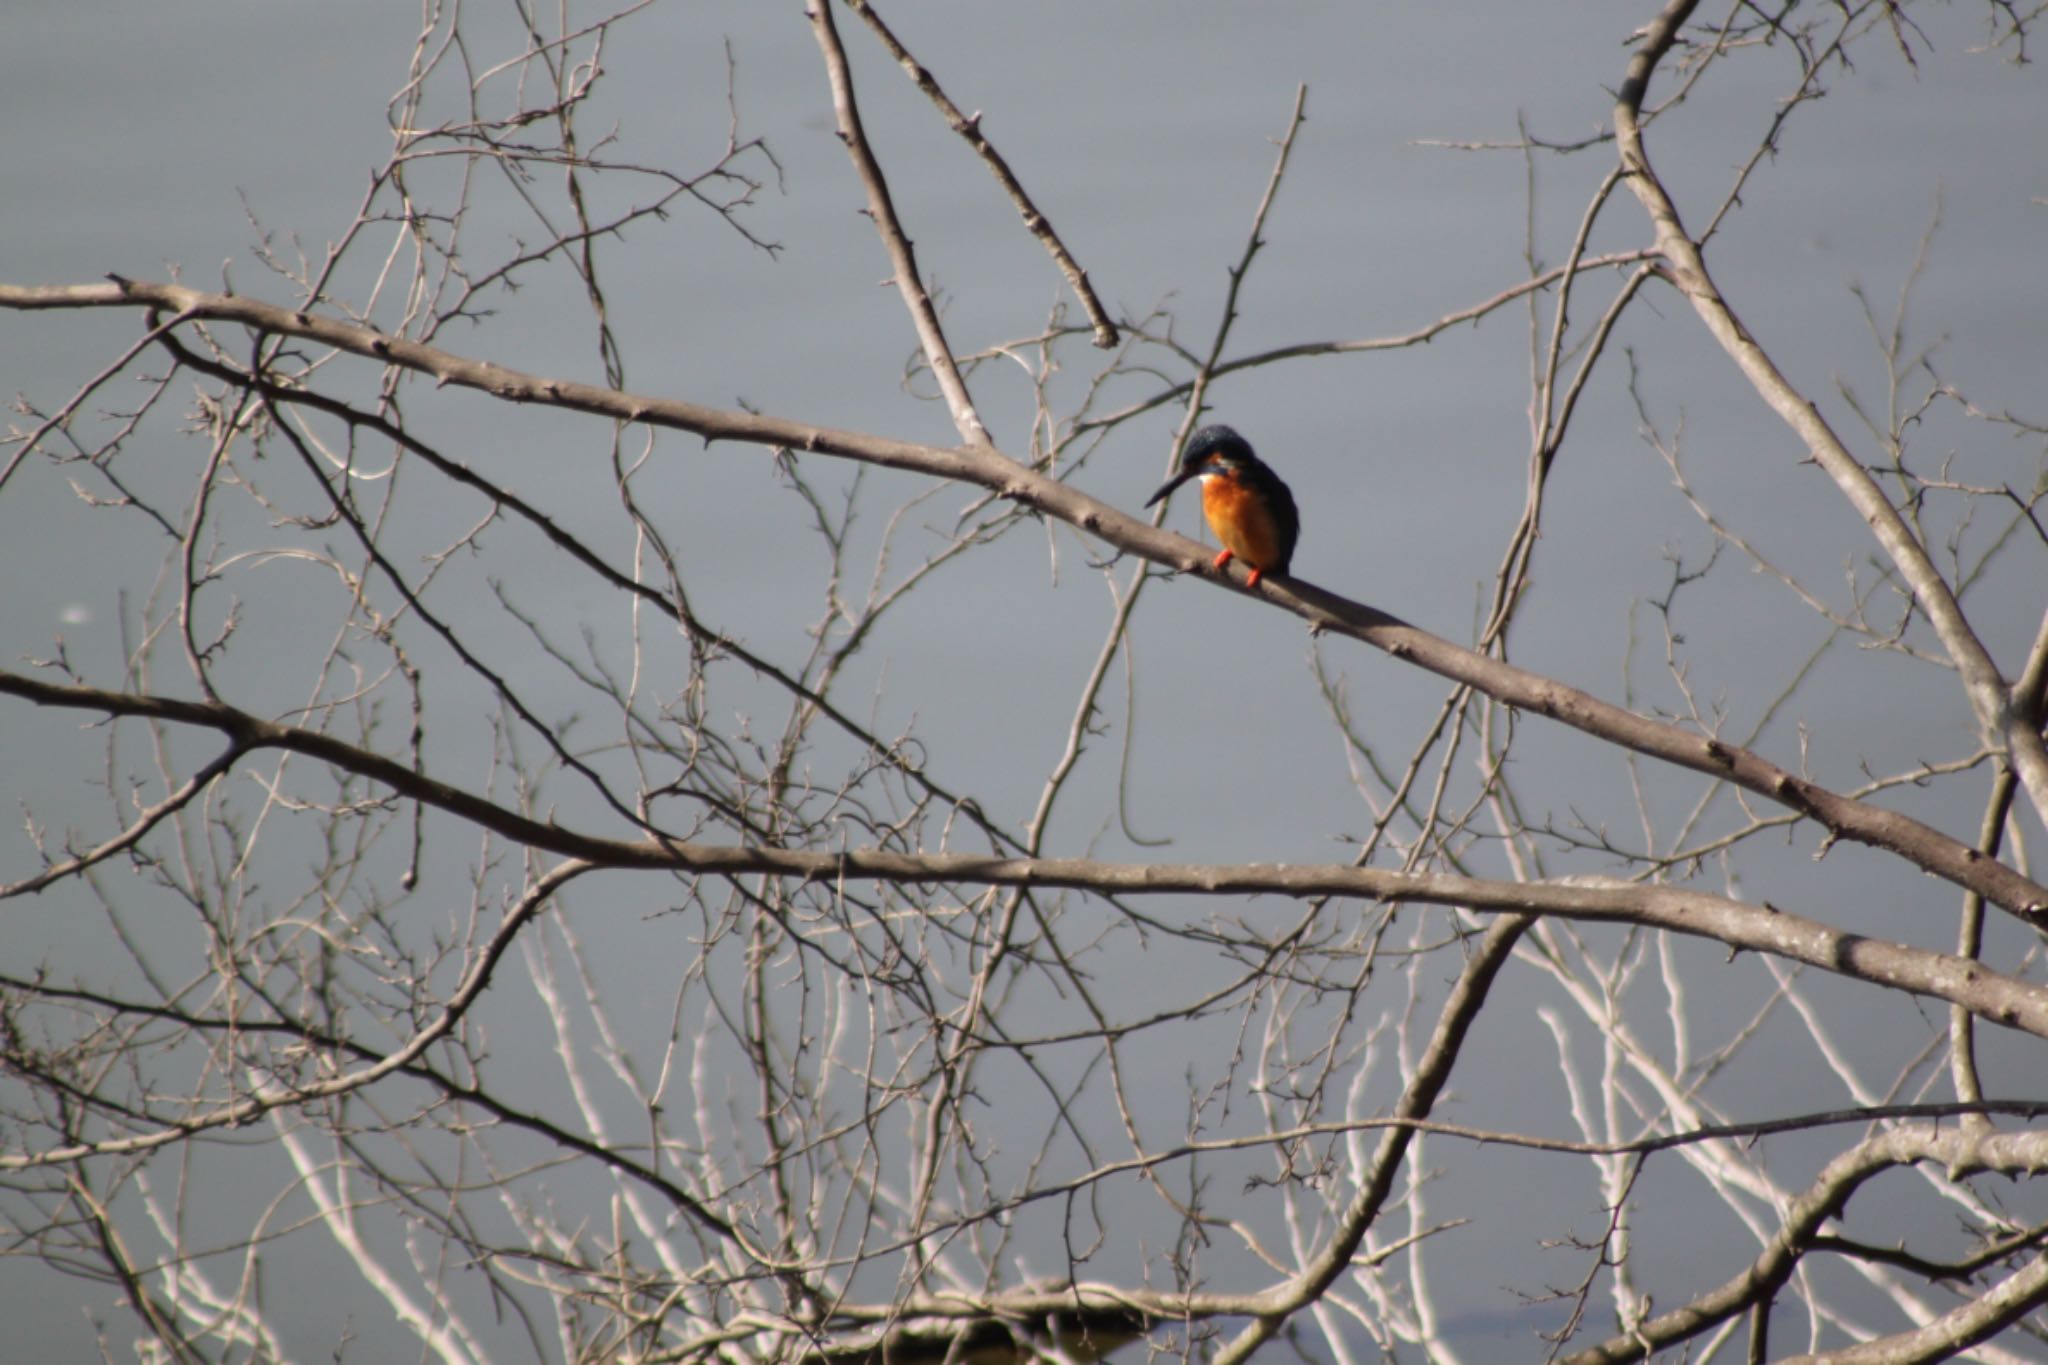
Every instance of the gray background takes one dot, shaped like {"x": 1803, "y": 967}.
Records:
{"x": 142, "y": 139}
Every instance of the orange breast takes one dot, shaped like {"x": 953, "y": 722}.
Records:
{"x": 1240, "y": 520}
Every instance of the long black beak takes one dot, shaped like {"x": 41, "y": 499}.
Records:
{"x": 1171, "y": 484}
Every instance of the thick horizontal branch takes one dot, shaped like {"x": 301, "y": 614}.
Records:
{"x": 1960, "y": 981}
{"x": 1842, "y": 816}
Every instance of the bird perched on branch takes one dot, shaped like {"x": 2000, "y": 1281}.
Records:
{"x": 1245, "y": 503}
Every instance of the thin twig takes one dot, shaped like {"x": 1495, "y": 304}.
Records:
{"x": 902, "y": 256}
{"x": 969, "y": 128}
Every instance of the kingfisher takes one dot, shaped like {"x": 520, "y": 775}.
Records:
{"x": 1245, "y": 503}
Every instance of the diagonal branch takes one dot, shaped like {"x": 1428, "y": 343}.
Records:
{"x": 1955, "y": 1331}
{"x": 1432, "y": 1073}
{"x": 1960, "y": 1150}
{"x": 1843, "y": 817}
{"x": 882, "y": 208}
{"x": 145, "y": 821}
{"x": 970, "y": 128}
{"x": 1990, "y": 698}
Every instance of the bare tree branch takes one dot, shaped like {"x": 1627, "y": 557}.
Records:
{"x": 970, "y": 130}
{"x": 882, "y": 208}
{"x": 2018, "y": 727}
{"x": 1937, "y": 853}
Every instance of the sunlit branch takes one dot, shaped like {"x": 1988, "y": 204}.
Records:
{"x": 1928, "y": 848}
{"x": 1990, "y": 696}
{"x": 1959, "y": 1150}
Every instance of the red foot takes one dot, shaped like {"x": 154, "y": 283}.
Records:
{"x": 1225, "y": 556}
